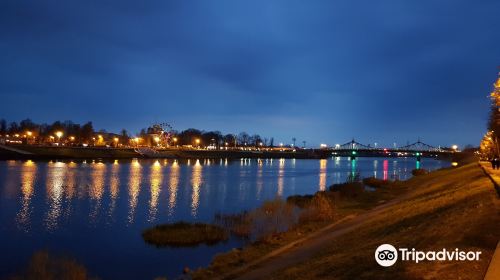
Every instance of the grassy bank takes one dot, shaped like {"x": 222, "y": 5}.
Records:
{"x": 316, "y": 212}
{"x": 447, "y": 209}
{"x": 184, "y": 235}
{"x": 452, "y": 208}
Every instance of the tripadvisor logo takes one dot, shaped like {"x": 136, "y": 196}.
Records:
{"x": 387, "y": 255}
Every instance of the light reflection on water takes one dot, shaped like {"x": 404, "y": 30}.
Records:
{"x": 156, "y": 178}
{"x": 134, "y": 187}
{"x": 54, "y": 193}
{"x": 48, "y": 204}
{"x": 28, "y": 174}
{"x": 196, "y": 181}
{"x": 61, "y": 182}
{"x": 172, "y": 187}
{"x": 322, "y": 174}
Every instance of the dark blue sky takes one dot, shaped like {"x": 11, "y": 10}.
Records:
{"x": 320, "y": 71}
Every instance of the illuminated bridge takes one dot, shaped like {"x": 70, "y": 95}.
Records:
{"x": 418, "y": 149}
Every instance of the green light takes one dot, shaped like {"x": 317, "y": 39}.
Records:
{"x": 353, "y": 152}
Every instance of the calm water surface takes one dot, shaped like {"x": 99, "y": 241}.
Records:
{"x": 95, "y": 211}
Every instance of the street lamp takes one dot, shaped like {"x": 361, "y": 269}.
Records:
{"x": 59, "y": 134}
{"x": 116, "y": 141}
{"x": 29, "y": 134}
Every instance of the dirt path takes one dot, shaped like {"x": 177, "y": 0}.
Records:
{"x": 305, "y": 248}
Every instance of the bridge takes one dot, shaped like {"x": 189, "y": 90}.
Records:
{"x": 418, "y": 149}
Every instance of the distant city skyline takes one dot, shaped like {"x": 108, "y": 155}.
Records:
{"x": 322, "y": 72}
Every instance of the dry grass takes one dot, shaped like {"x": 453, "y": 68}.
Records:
{"x": 271, "y": 218}
{"x": 43, "y": 266}
{"x": 419, "y": 172}
{"x": 184, "y": 235}
{"x": 376, "y": 183}
{"x": 321, "y": 208}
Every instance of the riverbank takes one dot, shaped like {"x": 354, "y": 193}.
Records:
{"x": 53, "y": 152}
{"x": 450, "y": 208}
{"x": 19, "y": 151}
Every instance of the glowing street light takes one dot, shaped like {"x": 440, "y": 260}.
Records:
{"x": 116, "y": 140}
{"x": 454, "y": 147}
{"x": 72, "y": 138}
{"x": 29, "y": 133}
{"x": 59, "y": 134}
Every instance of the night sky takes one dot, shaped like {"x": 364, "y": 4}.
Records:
{"x": 320, "y": 71}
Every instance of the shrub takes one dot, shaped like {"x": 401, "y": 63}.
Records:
{"x": 320, "y": 208}
{"x": 274, "y": 216}
{"x": 348, "y": 190}
{"x": 419, "y": 172}
{"x": 238, "y": 224}
{"x": 300, "y": 201}
{"x": 375, "y": 183}
{"x": 44, "y": 266}
{"x": 184, "y": 234}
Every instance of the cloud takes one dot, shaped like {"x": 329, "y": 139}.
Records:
{"x": 347, "y": 68}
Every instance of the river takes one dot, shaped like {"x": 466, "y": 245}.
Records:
{"x": 95, "y": 211}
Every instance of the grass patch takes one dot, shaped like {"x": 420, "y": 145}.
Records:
{"x": 270, "y": 219}
{"x": 300, "y": 200}
{"x": 419, "y": 172}
{"x": 376, "y": 183}
{"x": 184, "y": 235}
{"x": 44, "y": 266}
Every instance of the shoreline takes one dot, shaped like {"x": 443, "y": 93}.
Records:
{"x": 34, "y": 152}
{"x": 280, "y": 260}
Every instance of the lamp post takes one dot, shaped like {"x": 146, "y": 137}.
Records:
{"x": 29, "y": 134}
{"x": 59, "y": 134}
